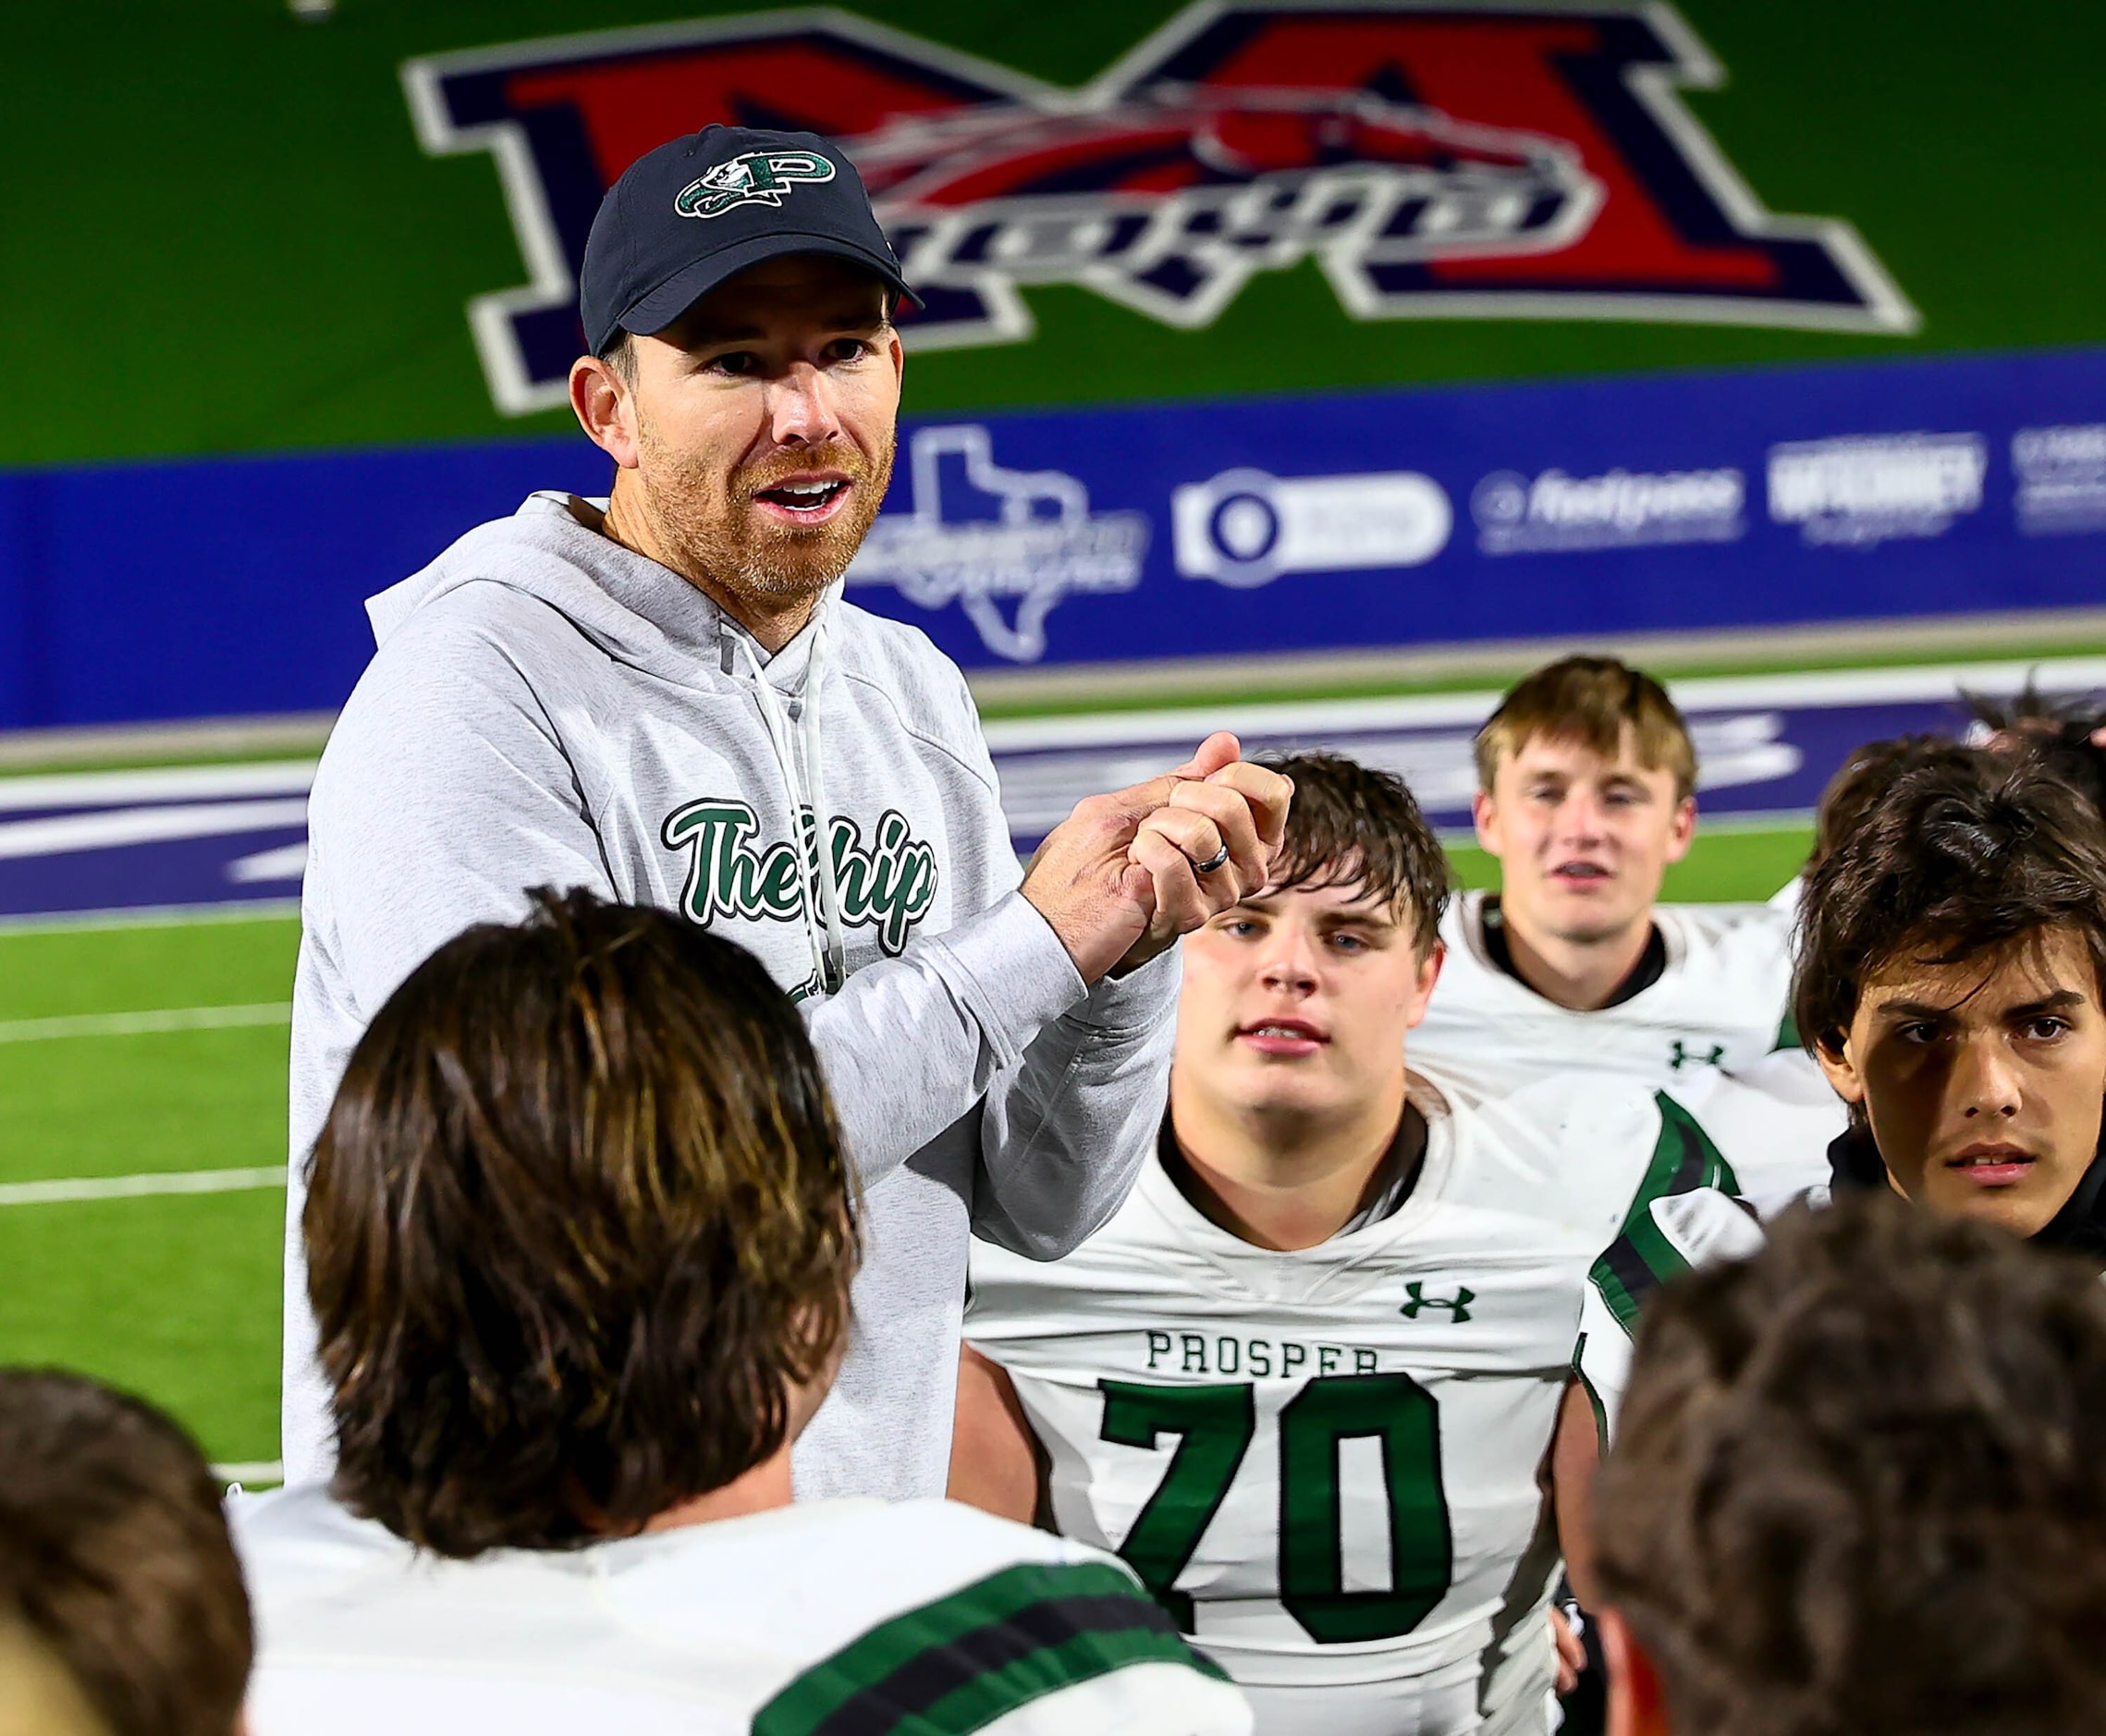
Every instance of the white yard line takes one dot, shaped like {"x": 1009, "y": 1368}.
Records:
{"x": 112, "y": 828}
{"x": 251, "y": 1471}
{"x": 133, "y": 1024}
{"x": 153, "y": 916}
{"x": 78, "y": 1188}
{"x": 168, "y": 783}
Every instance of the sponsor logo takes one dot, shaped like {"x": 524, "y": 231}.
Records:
{"x": 887, "y": 885}
{"x": 1861, "y": 490}
{"x": 759, "y": 177}
{"x": 1507, "y": 161}
{"x": 1682, "y": 1054}
{"x": 1458, "y": 1305}
{"x": 1618, "y": 508}
{"x": 2061, "y": 475}
{"x": 1245, "y": 527}
{"x": 982, "y": 536}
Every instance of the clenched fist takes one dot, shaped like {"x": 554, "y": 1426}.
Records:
{"x": 1124, "y": 874}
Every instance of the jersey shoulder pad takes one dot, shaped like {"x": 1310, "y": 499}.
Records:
{"x": 1032, "y": 1618}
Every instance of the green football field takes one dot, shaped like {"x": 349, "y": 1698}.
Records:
{"x": 135, "y": 1053}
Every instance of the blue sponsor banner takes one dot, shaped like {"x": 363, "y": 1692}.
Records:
{"x": 1688, "y": 502}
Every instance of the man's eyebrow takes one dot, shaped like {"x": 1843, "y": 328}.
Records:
{"x": 1366, "y": 915}
{"x": 1913, "y": 1009}
{"x": 2060, "y": 1001}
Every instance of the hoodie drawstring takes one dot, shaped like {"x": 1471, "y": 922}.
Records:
{"x": 807, "y": 791}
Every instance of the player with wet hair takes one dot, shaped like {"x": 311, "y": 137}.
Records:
{"x": 1316, "y": 1380}
{"x": 580, "y": 1235}
{"x": 1859, "y": 1489}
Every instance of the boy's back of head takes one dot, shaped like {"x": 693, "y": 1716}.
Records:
{"x": 1859, "y": 1486}
{"x": 122, "y": 1612}
{"x": 579, "y": 1232}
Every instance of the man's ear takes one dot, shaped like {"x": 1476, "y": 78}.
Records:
{"x": 605, "y": 409}
{"x": 1484, "y": 815}
{"x": 1842, "y": 1071}
{"x": 1685, "y": 830}
{"x": 1422, "y": 990}
{"x": 1638, "y": 1705}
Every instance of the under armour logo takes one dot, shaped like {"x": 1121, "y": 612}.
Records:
{"x": 1458, "y": 1305}
{"x": 1680, "y": 1056}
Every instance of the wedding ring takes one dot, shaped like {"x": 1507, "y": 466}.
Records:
{"x": 1212, "y": 862}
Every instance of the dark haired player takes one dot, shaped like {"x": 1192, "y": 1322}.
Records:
{"x": 122, "y": 1612}
{"x": 1952, "y": 952}
{"x": 1860, "y": 1485}
{"x": 1308, "y": 1380}
{"x": 580, "y": 1241}
{"x": 2065, "y": 735}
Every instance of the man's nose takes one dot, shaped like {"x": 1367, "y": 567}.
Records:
{"x": 1290, "y": 960}
{"x": 800, "y": 406}
{"x": 1985, "y": 1079}
{"x": 1579, "y": 817}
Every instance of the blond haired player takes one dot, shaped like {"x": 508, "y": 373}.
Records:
{"x": 1308, "y": 1380}
{"x": 1587, "y": 781}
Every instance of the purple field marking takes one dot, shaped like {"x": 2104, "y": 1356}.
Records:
{"x": 1758, "y": 759}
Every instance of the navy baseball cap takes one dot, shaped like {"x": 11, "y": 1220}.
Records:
{"x": 696, "y": 211}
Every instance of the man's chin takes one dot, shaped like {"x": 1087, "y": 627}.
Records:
{"x": 2022, "y": 1210}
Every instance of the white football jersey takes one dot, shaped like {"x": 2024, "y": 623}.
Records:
{"x": 1326, "y": 1463}
{"x": 1720, "y": 1002}
{"x": 834, "y": 1616}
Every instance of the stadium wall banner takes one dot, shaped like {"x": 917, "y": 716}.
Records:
{"x": 1516, "y": 159}
{"x": 1379, "y": 519}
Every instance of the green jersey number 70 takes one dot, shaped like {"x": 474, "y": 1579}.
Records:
{"x": 1214, "y": 1426}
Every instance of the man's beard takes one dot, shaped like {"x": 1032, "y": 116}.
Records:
{"x": 709, "y": 530}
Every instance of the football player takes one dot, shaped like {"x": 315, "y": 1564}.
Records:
{"x": 1586, "y": 793}
{"x": 1314, "y": 1379}
{"x": 1949, "y": 985}
{"x": 1861, "y": 1485}
{"x": 580, "y": 1238}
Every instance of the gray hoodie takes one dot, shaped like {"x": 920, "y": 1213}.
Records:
{"x": 546, "y": 707}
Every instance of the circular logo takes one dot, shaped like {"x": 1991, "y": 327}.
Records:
{"x": 1499, "y": 501}
{"x": 1244, "y": 526}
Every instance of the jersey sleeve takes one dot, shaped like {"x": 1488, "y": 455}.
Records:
{"x": 1679, "y": 1232}
{"x": 1042, "y": 1648}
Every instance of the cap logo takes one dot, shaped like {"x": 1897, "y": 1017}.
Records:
{"x": 758, "y": 178}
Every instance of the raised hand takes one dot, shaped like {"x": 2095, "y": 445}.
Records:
{"x": 1122, "y": 878}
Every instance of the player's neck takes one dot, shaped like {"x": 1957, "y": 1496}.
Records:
{"x": 629, "y": 521}
{"x": 760, "y": 1490}
{"x": 1281, "y": 1181}
{"x": 1580, "y": 975}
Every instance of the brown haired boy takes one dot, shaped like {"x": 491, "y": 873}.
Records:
{"x": 1859, "y": 1489}
{"x": 1309, "y": 1379}
{"x": 1952, "y": 957}
{"x": 1586, "y": 793}
{"x": 121, "y": 1606}
{"x": 580, "y": 1237}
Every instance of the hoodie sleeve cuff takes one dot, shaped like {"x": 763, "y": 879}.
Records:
{"x": 1136, "y": 1002}
{"x": 1013, "y": 973}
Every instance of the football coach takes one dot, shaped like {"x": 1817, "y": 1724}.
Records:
{"x": 663, "y": 697}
